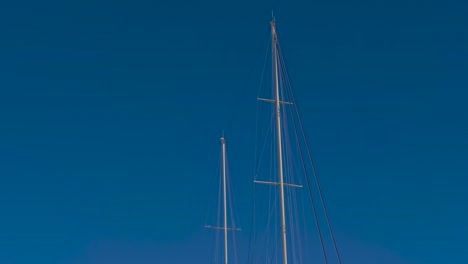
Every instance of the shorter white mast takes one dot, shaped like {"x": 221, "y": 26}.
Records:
{"x": 225, "y": 227}
{"x": 223, "y": 148}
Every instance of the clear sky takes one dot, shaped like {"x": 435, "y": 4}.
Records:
{"x": 111, "y": 113}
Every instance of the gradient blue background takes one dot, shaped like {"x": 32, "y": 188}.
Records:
{"x": 111, "y": 111}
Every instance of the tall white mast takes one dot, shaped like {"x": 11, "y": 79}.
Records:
{"x": 278, "y": 140}
{"x": 280, "y": 183}
{"x": 223, "y": 148}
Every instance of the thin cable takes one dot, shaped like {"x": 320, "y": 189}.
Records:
{"x": 232, "y": 212}
{"x": 255, "y": 152}
{"x": 215, "y": 253}
{"x": 214, "y": 236}
{"x": 303, "y": 161}
{"x": 296, "y": 244}
{"x": 315, "y": 176}
{"x": 211, "y": 209}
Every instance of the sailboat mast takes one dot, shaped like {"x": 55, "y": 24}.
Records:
{"x": 278, "y": 139}
{"x": 223, "y": 148}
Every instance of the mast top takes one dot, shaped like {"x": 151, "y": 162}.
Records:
{"x": 273, "y": 28}
{"x": 273, "y": 22}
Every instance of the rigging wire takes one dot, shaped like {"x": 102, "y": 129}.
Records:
{"x": 218, "y": 218}
{"x": 272, "y": 210}
{"x": 215, "y": 236}
{"x": 292, "y": 168}
{"x": 215, "y": 179}
{"x": 313, "y": 166}
{"x": 322, "y": 244}
{"x": 252, "y": 224}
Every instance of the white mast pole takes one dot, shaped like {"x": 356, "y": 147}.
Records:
{"x": 223, "y": 147}
{"x": 278, "y": 140}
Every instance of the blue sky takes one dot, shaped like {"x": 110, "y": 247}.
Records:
{"x": 111, "y": 113}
